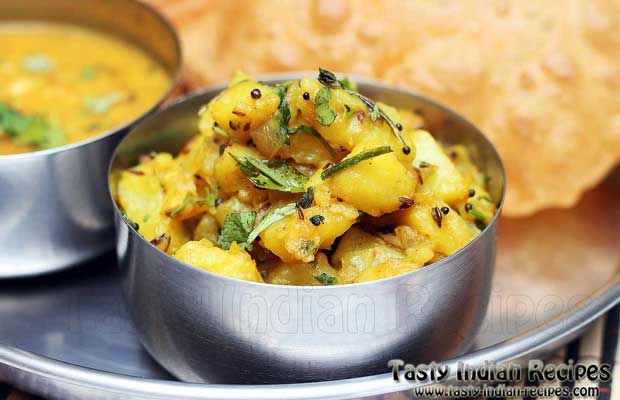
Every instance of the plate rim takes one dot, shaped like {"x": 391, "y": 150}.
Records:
{"x": 33, "y": 372}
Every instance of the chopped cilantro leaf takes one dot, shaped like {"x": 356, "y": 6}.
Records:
{"x": 101, "y": 104}
{"x": 237, "y": 227}
{"x": 89, "y": 74}
{"x": 35, "y": 130}
{"x": 324, "y": 114}
{"x": 326, "y": 279}
{"x": 282, "y": 116}
{"x": 37, "y": 63}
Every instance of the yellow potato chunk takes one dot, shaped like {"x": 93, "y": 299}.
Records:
{"x": 179, "y": 188}
{"x": 206, "y": 228}
{"x": 417, "y": 248}
{"x": 481, "y": 207}
{"x": 305, "y": 149}
{"x": 441, "y": 177}
{"x": 359, "y": 250}
{"x": 374, "y": 185}
{"x": 346, "y": 130}
{"x": 232, "y": 181}
{"x": 453, "y": 234}
{"x": 141, "y": 196}
{"x": 199, "y": 155}
{"x": 237, "y": 112}
{"x": 302, "y": 274}
{"x": 235, "y": 262}
{"x": 386, "y": 270}
{"x": 293, "y": 239}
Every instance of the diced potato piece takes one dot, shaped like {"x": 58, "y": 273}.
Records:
{"x": 483, "y": 208}
{"x": 232, "y": 181}
{"x": 207, "y": 228}
{"x": 459, "y": 156}
{"x": 141, "y": 196}
{"x": 453, "y": 234}
{"x": 237, "y": 112}
{"x": 441, "y": 177}
{"x": 410, "y": 120}
{"x": 375, "y": 185}
{"x": 179, "y": 188}
{"x": 418, "y": 249}
{"x": 293, "y": 239}
{"x": 345, "y": 130}
{"x": 199, "y": 155}
{"x": 235, "y": 263}
{"x": 386, "y": 270}
{"x": 359, "y": 250}
{"x": 178, "y": 234}
{"x": 305, "y": 149}
{"x": 300, "y": 273}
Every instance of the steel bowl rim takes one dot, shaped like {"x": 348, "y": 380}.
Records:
{"x": 174, "y": 81}
{"x": 296, "y": 75}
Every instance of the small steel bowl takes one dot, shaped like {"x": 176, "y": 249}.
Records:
{"x": 204, "y": 327}
{"x": 55, "y": 211}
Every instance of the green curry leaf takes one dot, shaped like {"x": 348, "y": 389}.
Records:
{"x": 272, "y": 174}
{"x": 356, "y": 159}
{"x": 270, "y": 219}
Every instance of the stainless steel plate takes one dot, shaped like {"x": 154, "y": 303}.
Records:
{"x": 68, "y": 336}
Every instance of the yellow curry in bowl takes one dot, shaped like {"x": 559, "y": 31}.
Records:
{"x": 306, "y": 183}
{"x": 63, "y": 83}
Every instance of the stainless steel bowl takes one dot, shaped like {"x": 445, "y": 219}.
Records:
{"x": 204, "y": 327}
{"x": 55, "y": 211}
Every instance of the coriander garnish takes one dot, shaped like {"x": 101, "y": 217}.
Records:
{"x": 101, "y": 104}
{"x": 38, "y": 63}
{"x": 324, "y": 114}
{"x": 237, "y": 228}
{"x": 356, "y": 159}
{"x": 326, "y": 279}
{"x": 282, "y": 116}
{"x": 36, "y": 130}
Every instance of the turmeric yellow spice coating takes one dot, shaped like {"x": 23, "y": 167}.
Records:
{"x": 307, "y": 183}
{"x": 65, "y": 84}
